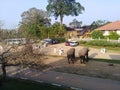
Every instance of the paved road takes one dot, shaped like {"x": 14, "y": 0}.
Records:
{"x": 64, "y": 79}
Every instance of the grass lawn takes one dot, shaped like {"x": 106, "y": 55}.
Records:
{"x": 107, "y": 60}
{"x": 18, "y": 84}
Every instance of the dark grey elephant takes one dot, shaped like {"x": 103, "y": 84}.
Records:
{"x": 83, "y": 55}
{"x": 71, "y": 55}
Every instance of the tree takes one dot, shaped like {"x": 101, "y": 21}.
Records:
{"x": 64, "y": 7}
{"x": 3, "y": 56}
{"x": 55, "y": 30}
{"x": 1, "y": 31}
{"x": 75, "y": 24}
{"x": 14, "y": 56}
{"x": 44, "y": 31}
{"x": 1, "y": 24}
{"x": 98, "y": 23}
{"x": 32, "y": 21}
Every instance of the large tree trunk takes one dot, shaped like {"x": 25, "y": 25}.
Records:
{"x": 3, "y": 66}
{"x": 4, "y": 70}
{"x": 61, "y": 20}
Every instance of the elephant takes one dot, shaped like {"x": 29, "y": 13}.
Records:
{"x": 71, "y": 55}
{"x": 83, "y": 54}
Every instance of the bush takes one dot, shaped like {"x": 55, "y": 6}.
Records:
{"x": 82, "y": 42}
{"x": 97, "y": 34}
{"x": 60, "y": 40}
{"x": 113, "y": 36}
{"x": 101, "y": 43}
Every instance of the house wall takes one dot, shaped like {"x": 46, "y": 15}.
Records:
{"x": 105, "y": 33}
{"x": 118, "y": 32}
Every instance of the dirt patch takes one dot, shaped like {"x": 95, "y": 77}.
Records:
{"x": 92, "y": 68}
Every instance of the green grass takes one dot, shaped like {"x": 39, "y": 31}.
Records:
{"x": 111, "y": 47}
{"x": 18, "y": 84}
{"x": 107, "y": 60}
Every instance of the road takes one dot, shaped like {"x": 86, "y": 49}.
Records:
{"x": 77, "y": 82}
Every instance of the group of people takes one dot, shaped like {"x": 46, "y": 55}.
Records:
{"x": 60, "y": 50}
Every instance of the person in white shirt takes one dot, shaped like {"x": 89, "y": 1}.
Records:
{"x": 61, "y": 51}
{"x": 103, "y": 50}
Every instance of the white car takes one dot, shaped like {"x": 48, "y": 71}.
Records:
{"x": 73, "y": 43}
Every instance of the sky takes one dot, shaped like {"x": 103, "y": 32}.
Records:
{"x": 11, "y": 10}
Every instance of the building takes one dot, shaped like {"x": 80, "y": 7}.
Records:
{"x": 110, "y": 27}
{"x": 82, "y": 32}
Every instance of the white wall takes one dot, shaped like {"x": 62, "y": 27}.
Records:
{"x": 118, "y": 32}
{"x": 105, "y": 33}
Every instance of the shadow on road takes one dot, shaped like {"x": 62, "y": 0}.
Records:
{"x": 93, "y": 55}
{"x": 115, "y": 57}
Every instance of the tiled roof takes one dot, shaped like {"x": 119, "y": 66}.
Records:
{"x": 111, "y": 26}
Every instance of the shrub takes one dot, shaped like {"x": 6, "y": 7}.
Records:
{"x": 82, "y": 42}
{"x": 113, "y": 36}
{"x": 97, "y": 34}
{"x": 101, "y": 43}
{"x": 60, "y": 40}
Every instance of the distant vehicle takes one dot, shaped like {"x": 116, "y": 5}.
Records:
{"x": 71, "y": 43}
{"x": 15, "y": 41}
{"x": 67, "y": 43}
{"x": 49, "y": 41}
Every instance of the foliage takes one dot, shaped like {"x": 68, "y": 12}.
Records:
{"x": 113, "y": 36}
{"x": 82, "y": 42}
{"x": 97, "y": 34}
{"x": 100, "y": 43}
{"x": 33, "y": 22}
{"x": 75, "y": 24}
{"x": 25, "y": 57}
{"x": 1, "y": 24}
{"x": 55, "y": 30}
{"x": 64, "y": 7}
{"x": 98, "y": 23}
{"x": 60, "y": 40}
{"x": 44, "y": 32}
{"x": 5, "y": 34}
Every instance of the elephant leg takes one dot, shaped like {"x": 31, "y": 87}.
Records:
{"x": 84, "y": 61}
{"x": 69, "y": 60}
{"x": 87, "y": 58}
{"x": 72, "y": 59}
{"x": 81, "y": 59}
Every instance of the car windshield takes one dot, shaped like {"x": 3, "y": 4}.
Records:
{"x": 47, "y": 40}
{"x": 73, "y": 41}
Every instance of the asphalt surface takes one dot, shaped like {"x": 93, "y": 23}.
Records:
{"x": 77, "y": 82}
